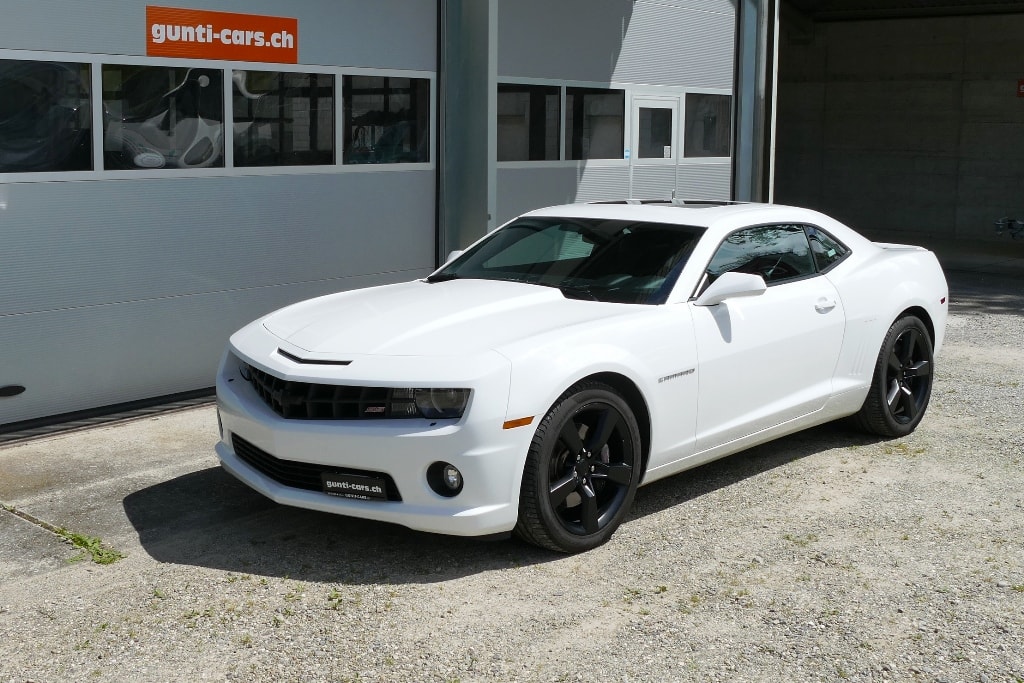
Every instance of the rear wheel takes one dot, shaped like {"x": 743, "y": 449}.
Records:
{"x": 902, "y": 383}
{"x": 581, "y": 472}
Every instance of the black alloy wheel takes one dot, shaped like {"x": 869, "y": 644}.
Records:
{"x": 581, "y": 472}
{"x": 902, "y": 383}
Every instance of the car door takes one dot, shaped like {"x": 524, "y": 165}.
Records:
{"x": 768, "y": 359}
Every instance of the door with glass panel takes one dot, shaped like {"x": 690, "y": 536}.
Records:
{"x": 654, "y": 147}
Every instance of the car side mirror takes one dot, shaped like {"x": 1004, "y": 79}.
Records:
{"x": 731, "y": 285}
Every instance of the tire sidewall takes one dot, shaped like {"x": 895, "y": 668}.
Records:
{"x": 879, "y": 385}
{"x": 575, "y": 400}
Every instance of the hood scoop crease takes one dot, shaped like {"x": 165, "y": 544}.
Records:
{"x": 308, "y": 361}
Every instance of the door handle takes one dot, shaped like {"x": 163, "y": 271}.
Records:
{"x": 824, "y": 305}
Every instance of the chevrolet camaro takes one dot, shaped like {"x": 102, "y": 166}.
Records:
{"x": 536, "y": 379}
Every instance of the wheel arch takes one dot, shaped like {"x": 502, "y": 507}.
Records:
{"x": 637, "y": 403}
{"x": 921, "y": 314}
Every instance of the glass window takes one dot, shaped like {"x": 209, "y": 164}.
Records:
{"x": 162, "y": 117}
{"x": 594, "y": 123}
{"x": 586, "y": 258}
{"x": 283, "y": 118}
{"x": 45, "y": 116}
{"x": 708, "y": 125}
{"x": 775, "y": 252}
{"x": 827, "y": 251}
{"x": 387, "y": 120}
{"x": 655, "y": 133}
{"x": 528, "y": 117}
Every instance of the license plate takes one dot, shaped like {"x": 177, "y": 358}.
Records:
{"x": 354, "y": 486}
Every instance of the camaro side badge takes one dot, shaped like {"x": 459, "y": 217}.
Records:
{"x": 684, "y": 373}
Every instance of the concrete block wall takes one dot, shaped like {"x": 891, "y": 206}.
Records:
{"x": 904, "y": 125}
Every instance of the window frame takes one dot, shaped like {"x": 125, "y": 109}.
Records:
{"x": 314, "y": 121}
{"x": 559, "y": 92}
{"x": 706, "y": 278}
{"x": 96, "y": 62}
{"x": 633, "y": 92}
{"x": 568, "y": 111}
{"x": 346, "y": 112}
{"x": 685, "y": 126}
{"x": 84, "y": 110}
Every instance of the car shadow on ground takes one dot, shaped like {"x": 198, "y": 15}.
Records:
{"x": 691, "y": 484}
{"x": 209, "y": 519}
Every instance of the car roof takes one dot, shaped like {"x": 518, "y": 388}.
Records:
{"x": 696, "y": 213}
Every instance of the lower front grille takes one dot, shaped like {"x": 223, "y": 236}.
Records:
{"x": 300, "y": 475}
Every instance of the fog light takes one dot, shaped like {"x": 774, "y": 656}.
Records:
{"x": 444, "y": 479}
{"x": 452, "y": 477}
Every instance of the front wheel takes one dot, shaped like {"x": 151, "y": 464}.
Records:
{"x": 902, "y": 382}
{"x": 581, "y": 472}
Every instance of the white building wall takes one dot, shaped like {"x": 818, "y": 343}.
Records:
{"x": 660, "y": 48}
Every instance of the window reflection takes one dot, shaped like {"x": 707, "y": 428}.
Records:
{"x": 594, "y": 123}
{"x": 387, "y": 120}
{"x": 528, "y": 119}
{"x": 775, "y": 252}
{"x": 708, "y": 125}
{"x": 655, "y": 133}
{"x": 162, "y": 117}
{"x": 45, "y": 119}
{"x": 283, "y": 118}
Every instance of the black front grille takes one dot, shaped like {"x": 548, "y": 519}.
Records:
{"x": 300, "y": 475}
{"x": 307, "y": 401}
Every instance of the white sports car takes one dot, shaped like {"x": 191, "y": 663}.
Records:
{"x": 534, "y": 381}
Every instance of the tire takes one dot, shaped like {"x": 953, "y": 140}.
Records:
{"x": 582, "y": 470}
{"x": 902, "y": 383}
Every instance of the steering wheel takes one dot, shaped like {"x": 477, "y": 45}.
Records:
{"x": 771, "y": 268}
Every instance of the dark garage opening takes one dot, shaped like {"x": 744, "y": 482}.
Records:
{"x": 904, "y": 119}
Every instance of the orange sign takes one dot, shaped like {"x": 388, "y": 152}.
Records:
{"x": 198, "y": 34}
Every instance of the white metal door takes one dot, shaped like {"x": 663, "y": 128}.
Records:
{"x": 654, "y": 147}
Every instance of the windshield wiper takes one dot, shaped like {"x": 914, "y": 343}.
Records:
{"x": 442, "y": 277}
{"x": 577, "y": 292}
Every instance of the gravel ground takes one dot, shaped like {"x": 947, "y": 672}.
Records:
{"x": 826, "y": 556}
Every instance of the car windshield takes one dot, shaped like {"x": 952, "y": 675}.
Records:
{"x": 594, "y": 259}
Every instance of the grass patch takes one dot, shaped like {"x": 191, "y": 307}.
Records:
{"x": 802, "y": 541}
{"x": 93, "y": 547}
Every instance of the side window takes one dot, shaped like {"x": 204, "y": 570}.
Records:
{"x": 826, "y": 250}
{"x": 528, "y": 119}
{"x": 283, "y": 118}
{"x": 594, "y": 123}
{"x": 162, "y": 117}
{"x": 708, "y": 125}
{"x": 387, "y": 120}
{"x": 775, "y": 252}
{"x": 45, "y": 118}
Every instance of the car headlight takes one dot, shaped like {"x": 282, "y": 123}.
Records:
{"x": 441, "y": 403}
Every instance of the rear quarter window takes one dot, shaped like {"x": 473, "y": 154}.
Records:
{"x": 826, "y": 250}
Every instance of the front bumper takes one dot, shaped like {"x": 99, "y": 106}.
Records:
{"x": 490, "y": 458}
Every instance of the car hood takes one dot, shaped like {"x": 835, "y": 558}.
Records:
{"x": 431, "y": 319}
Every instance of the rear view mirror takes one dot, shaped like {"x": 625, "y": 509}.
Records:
{"x": 731, "y": 285}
